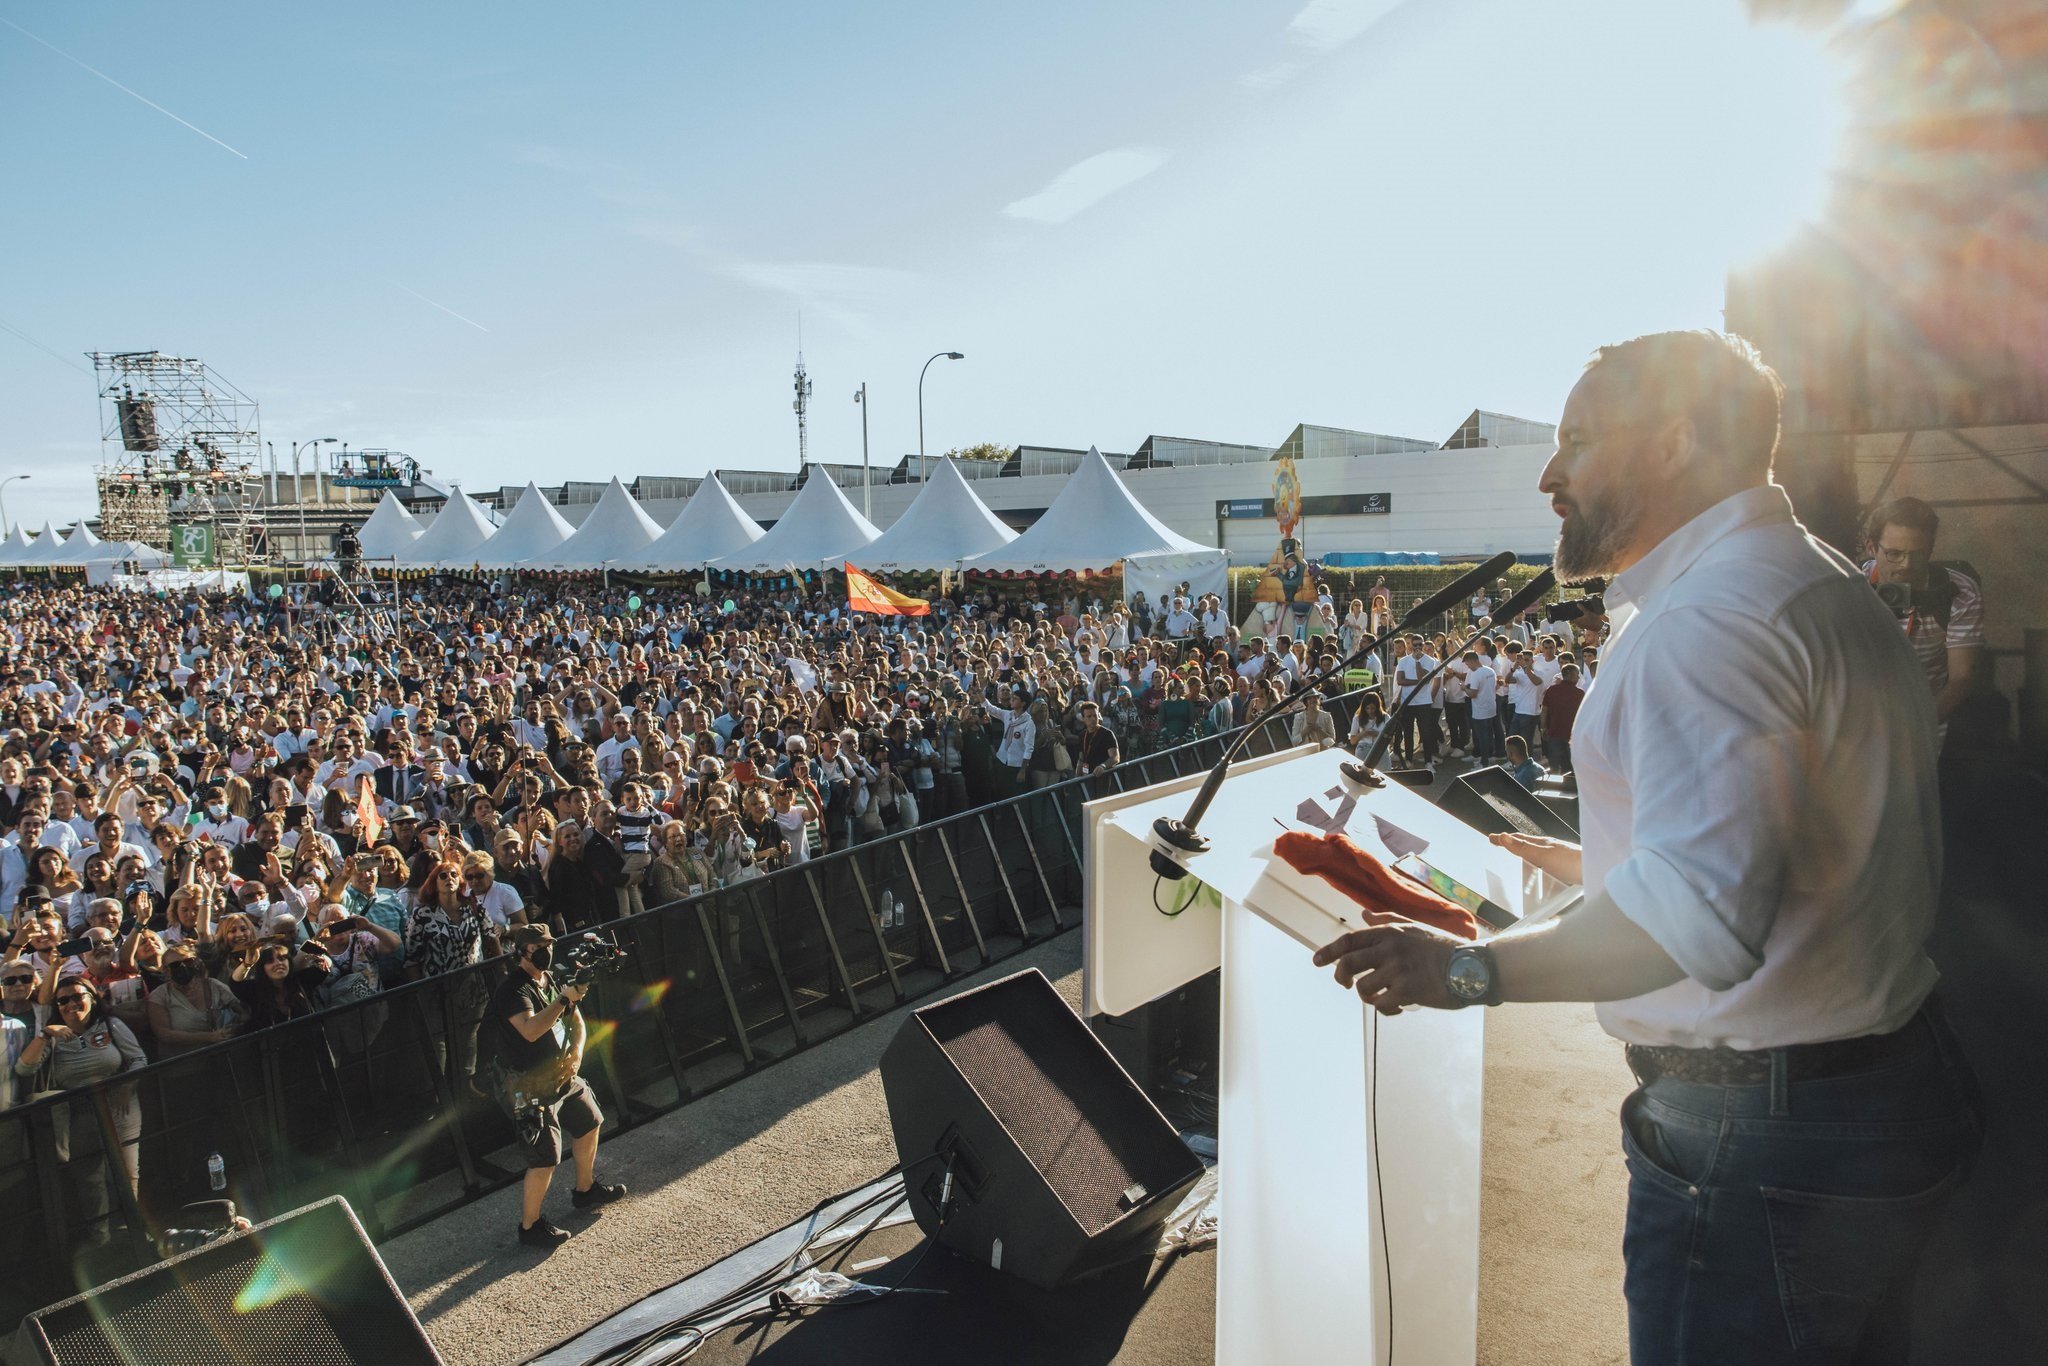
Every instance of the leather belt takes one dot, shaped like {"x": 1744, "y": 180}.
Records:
{"x": 1803, "y": 1061}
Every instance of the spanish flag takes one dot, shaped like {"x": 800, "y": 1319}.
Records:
{"x": 368, "y": 825}
{"x": 863, "y": 594}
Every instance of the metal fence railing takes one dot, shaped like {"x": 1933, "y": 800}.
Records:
{"x": 370, "y": 1101}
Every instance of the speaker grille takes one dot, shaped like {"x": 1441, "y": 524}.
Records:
{"x": 1042, "y": 1089}
{"x": 197, "y": 1323}
{"x": 305, "y": 1288}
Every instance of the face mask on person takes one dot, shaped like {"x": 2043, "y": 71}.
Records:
{"x": 543, "y": 957}
{"x": 217, "y": 811}
{"x": 183, "y": 971}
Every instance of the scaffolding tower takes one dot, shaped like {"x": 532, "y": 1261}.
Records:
{"x": 181, "y": 459}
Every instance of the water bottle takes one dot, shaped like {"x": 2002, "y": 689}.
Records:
{"x": 216, "y": 1172}
{"x": 888, "y": 911}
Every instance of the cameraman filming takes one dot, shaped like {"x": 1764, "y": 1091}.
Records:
{"x": 1940, "y": 606}
{"x": 538, "y": 1036}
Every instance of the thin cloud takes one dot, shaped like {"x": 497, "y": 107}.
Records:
{"x": 1326, "y": 25}
{"x": 1272, "y": 75}
{"x": 120, "y": 87}
{"x": 845, "y": 294}
{"x": 1087, "y": 183}
{"x": 445, "y": 309}
{"x": 1318, "y": 28}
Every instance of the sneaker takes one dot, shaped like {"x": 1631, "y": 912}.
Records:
{"x": 598, "y": 1194}
{"x": 541, "y": 1233}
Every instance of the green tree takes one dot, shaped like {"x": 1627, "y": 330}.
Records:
{"x": 987, "y": 450}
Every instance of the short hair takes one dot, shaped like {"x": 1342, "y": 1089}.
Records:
{"x": 1910, "y": 513}
{"x": 1717, "y": 379}
{"x": 1518, "y": 742}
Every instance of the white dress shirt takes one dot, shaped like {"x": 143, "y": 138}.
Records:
{"x": 1756, "y": 767}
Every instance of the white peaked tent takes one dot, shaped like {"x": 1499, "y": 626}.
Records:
{"x": 1094, "y": 523}
{"x": 818, "y": 528}
{"x": 80, "y": 547}
{"x": 129, "y": 552}
{"x": 945, "y": 524}
{"x": 616, "y": 527}
{"x": 532, "y": 529}
{"x": 711, "y": 524}
{"x": 48, "y": 546}
{"x": 14, "y": 546}
{"x": 454, "y": 539}
{"x": 389, "y": 531}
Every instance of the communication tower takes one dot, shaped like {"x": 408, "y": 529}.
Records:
{"x": 802, "y": 403}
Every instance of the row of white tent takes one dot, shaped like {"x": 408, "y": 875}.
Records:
{"x": 80, "y": 548}
{"x": 1093, "y": 525}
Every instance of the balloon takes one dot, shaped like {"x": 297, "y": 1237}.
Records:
{"x": 277, "y": 590}
{"x": 730, "y": 605}
{"x": 633, "y": 603}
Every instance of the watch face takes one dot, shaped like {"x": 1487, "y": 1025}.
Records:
{"x": 1468, "y": 977}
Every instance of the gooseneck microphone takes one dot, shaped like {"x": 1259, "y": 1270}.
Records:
{"x": 1181, "y": 834}
{"x": 1531, "y": 592}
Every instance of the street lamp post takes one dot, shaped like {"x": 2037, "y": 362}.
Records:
{"x": 5, "y": 525}
{"x": 299, "y": 484}
{"x": 867, "y": 479}
{"x": 922, "y": 470}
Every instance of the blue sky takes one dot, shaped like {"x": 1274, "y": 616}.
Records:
{"x": 539, "y": 241}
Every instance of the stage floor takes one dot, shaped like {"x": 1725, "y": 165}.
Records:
{"x": 1142, "y": 1313}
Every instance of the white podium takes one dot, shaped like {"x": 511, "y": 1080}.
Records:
{"x": 1326, "y": 1106}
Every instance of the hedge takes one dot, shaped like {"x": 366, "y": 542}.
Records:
{"x": 1408, "y": 583}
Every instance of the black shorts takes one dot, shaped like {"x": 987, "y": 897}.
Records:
{"x": 575, "y": 1115}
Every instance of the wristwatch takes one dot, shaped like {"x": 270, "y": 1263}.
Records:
{"x": 1470, "y": 977}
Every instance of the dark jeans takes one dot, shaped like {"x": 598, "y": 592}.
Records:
{"x": 1557, "y": 754}
{"x": 1486, "y": 738}
{"x": 1458, "y": 720}
{"x": 1781, "y": 1223}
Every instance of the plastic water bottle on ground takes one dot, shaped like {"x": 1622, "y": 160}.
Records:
{"x": 216, "y": 1172}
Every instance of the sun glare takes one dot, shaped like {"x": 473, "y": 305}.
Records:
{"x": 1767, "y": 150}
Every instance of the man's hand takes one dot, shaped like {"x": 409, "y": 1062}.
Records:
{"x": 1560, "y": 859}
{"x": 574, "y": 992}
{"x": 1392, "y": 966}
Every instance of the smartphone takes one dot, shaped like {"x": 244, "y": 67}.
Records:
{"x": 1444, "y": 885}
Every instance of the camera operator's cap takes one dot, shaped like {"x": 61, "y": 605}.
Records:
{"x": 533, "y": 932}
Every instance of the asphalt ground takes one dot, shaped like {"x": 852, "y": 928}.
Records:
{"x": 746, "y": 1160}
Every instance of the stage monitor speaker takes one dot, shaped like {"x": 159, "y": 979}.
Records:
{"x": 1060, "y": 1165}
{"x": 1493, "y": 803}
{"x": 305, "y": 1288}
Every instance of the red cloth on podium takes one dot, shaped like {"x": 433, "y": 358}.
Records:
{"x": 1388, "y": 897}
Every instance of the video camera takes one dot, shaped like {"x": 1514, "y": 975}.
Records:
{"x": 581, "y": 957}
{"x": 1936, "y": 597}
{"x": 1591, "y": 605}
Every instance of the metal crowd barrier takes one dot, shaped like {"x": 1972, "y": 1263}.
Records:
{"x": 371, "y": 1100}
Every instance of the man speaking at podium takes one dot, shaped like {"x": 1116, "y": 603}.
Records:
{"x": 1761, "y": 860}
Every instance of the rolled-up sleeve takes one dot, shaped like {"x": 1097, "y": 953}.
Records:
{"x": 1716, "y": 749}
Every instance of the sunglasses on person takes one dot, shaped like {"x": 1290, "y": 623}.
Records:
{"x": 17, "y": 981}
{"x": 74, "y": 998}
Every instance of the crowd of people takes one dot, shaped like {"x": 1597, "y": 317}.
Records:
{"x": 225, "y": 812}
